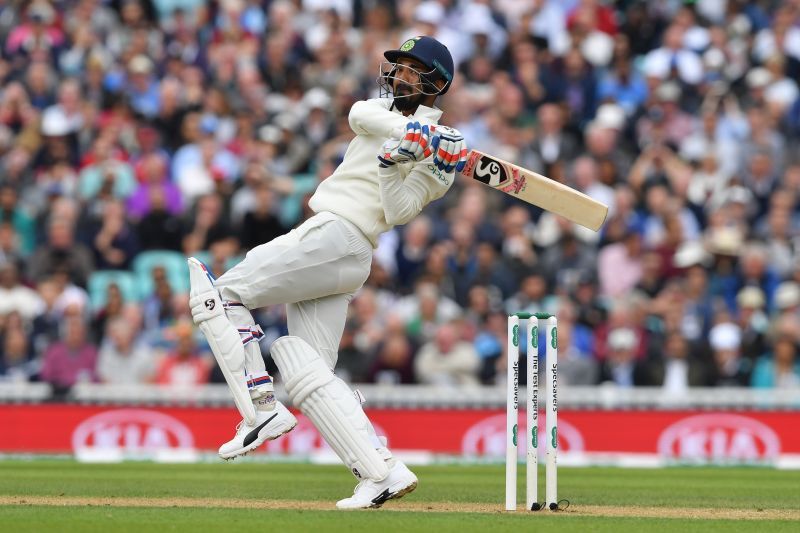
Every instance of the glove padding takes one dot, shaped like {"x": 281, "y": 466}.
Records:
{"x": 412, "y": 144}
{"x": 451, "y": 153}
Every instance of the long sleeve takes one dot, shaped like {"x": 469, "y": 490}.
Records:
{"x": 403, "y": 199}
{"x": 354, "y": 190}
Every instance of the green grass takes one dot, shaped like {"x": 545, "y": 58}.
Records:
{"x": 724, "y": 488}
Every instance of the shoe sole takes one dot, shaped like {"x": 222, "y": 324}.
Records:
{"x": 256, "y": 443}
{"x": 397, "y": 495}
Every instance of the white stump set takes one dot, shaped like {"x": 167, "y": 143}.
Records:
{"x": 532, "y": 435}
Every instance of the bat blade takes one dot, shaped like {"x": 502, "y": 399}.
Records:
{"x": 535, "y": 189}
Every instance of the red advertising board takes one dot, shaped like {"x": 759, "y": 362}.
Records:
{"x": 752, "y": 436}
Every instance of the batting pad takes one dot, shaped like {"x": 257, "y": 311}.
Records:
{"x": 226, "y": 345}
{"x": 241, "y": 318}
{"x": 331, "y": 406}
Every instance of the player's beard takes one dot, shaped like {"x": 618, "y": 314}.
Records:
{"x": 405, "y": 99}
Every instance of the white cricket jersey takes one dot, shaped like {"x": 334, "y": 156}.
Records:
{"x": 354, "y": 190}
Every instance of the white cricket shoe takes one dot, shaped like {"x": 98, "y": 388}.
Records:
{"x": 269, "y": 426}
{"x": 372, "y": 494}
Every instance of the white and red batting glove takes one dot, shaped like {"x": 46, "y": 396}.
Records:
{"x": 412, "y": 144}
{"x": 451, "y": 153}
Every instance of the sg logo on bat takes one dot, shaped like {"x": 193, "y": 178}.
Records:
{"x": 490, "y": 172}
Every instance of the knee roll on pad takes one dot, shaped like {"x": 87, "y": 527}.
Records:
{"x": 330, "y": 404}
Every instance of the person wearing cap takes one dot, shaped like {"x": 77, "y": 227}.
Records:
{"x": 692, "y": 260}
{"x": 730, "y": 369}
{"x": 753, "y": 321}
{"x": 399, "y": 161}
{"x": 142, "y": 90}
{"x": 620, "y": 366}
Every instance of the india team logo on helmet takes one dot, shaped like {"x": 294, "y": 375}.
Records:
{"x": 408, "y": 45}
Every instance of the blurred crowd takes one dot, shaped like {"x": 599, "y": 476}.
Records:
{"x": 136, "y": 132}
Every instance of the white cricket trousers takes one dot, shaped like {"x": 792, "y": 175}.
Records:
{"x": 315, "y": 270}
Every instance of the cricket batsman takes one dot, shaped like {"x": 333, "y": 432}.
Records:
{"x": 399, "y": 161}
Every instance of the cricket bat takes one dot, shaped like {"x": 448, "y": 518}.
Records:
{"x": 535, "y": 189}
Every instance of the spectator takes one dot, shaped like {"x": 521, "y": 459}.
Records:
{"x": 394, "y": 360}
{"x": 23, "y": 223}
{"x": 552, "y": 143}
{"x": 107, "y": 176}
{"x": 665, "y": 123}
{"x": 123, "y": 359}
{"x": 184, "y": 365}
{"x": 752, "y": 321}
{"x": 71, "y": 360}
{"x": 730, "y": 369}
{"x": 412, "y": 250}
{"x": 17, "y": 359}
{"x": 38, "y": 37}
{"x": 756, "y": 271}
{"x": 673, "y": 61}
{"x": 141, "y": 88}
{"x": 155, "y": 190}
{"x": 158, "y": 229}
{"x": 787, "y": 299}
{"x": 61, "y": 254}
{"x": 781, "y": 368}
{"x": 571, "y": 79}
{"x": 620, "y": 366}
{"x": 619, "y": 265}
{"x": 490, "y": 344}
{"x": 111, "y": 310}
{"x": 114, "y": 242}
{"x": 261, "y": 224}
{"x": 623, "y": 85}
{"x": 447, "y": 360}
{"x": 201, "y": 164}
{"x": 15, "y": 297}
{"x": 678, "y": 369}
{"x": 425, "y": 310}
{"x": 208, "y": 226}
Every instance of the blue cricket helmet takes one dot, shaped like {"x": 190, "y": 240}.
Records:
{"x": 430, "y": 53}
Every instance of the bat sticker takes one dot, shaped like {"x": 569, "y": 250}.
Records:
{"x": 490, "y": 172}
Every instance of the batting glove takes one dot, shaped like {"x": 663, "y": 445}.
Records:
{"x": 451, "y": 153}
{"x": 412, "y": 144}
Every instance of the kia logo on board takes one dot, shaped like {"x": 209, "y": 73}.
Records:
{"x": 132, "y": 430}
{"x": 719, "y": 438}
{"x": 488, "y": 437}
